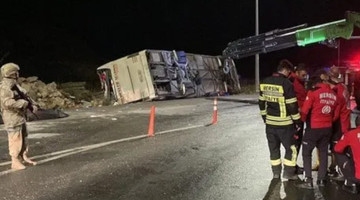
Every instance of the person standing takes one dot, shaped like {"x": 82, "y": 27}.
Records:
{"x": 279, "y": 110}
{"x": 298, "y": 79}
{"x": 319, "y": 111}
{"x": 299, "y": 84}
{"x": 342, "y": 125}
{"x": 13, "y": 110}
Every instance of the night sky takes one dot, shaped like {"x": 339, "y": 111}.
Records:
{"x": 67, "y": 40}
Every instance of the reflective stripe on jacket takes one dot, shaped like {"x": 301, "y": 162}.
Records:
{"x": 277, "y": 101}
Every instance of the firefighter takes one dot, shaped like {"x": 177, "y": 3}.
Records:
{"x": 13, "y": 111}
{"x": 348, "y": 158}
{"x": 279, "y": 110}
{"x": 319, "y": 111}
{"x": 341, "y": 125}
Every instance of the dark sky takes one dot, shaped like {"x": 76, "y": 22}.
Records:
{"x": 67, "y": 40}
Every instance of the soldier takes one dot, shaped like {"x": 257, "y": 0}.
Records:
{"x": 13, "y": 110}
{"x": 279, "y": 110}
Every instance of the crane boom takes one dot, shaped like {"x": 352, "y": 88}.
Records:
{"x": 295, "y": 36}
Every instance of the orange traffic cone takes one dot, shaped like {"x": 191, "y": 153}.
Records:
{"x": 214, "y": 119}
{"x": 151, "y": 122}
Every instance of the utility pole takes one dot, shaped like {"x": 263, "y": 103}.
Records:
{"x": 257, "y": 77}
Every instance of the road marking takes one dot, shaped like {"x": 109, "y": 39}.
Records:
{"x": 179, "y": 129}
{"x": 42, "y": 135}
{"x": 60, "y": 154}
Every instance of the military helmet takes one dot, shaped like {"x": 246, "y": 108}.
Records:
{"x": 9, "y": 69}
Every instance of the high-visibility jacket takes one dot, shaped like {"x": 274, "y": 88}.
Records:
{"x": 277, "y": 101}
{"x": 344, "y": 102}
{"x": 321, "y": 107}
{"x": 351, "y": 139}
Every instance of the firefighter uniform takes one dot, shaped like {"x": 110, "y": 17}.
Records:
{"x": 319, "y": 111}
{"x": 279, "y": 110}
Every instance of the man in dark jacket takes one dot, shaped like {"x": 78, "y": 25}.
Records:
{"x": 319, "y": 111}
{"x": 279, "y": 110}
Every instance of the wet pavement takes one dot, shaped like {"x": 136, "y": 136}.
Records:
{"x": 84, "y": 157}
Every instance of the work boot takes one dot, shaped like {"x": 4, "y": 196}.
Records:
{"x": 276, "y": 176}
{"x": 299, "y": 170}
{"x": 306, "y": 184}
{"x": 337, "y": 177}
{"x": 321, "y": 183}
{"x": 350, "y": 188}
{"x": 28, "y": 160}
{"x": 290, "y": 176}
{"x": 332, "y": 171}
{"x": 16, "y": 164}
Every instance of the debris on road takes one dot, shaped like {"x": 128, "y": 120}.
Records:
{"x": 59, "y": 96}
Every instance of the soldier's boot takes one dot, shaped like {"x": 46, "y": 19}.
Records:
{"x": 16, "y": 164}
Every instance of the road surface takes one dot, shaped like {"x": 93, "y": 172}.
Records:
{"x": 104, "y": 153}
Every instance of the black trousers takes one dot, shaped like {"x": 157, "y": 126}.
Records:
{"x": 282, "y": 135}
{"x": 316, "y": 138}
{"x": 299, "y": 138}
{"x": 336, "y": 134}
{"x": 347, "y": 167}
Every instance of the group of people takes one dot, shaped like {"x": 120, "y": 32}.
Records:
{"x": 310, "y": 114}
{"x": 13, "y": 110}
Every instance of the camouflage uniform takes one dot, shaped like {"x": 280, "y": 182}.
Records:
{"x": 13, "y": 112}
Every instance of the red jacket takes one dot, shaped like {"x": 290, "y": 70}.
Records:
{"x": 352, "y": 139}
{"x": 299, "y": 89}
{"x": 320, "y": 107}
{"x": 344, "y": 102}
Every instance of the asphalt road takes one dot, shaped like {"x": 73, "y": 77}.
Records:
{"x": 103, "y": 153}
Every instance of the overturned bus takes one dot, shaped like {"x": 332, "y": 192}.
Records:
{"x": 160, "y": 74}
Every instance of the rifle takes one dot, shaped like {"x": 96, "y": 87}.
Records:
{"x": 25, "y": 97}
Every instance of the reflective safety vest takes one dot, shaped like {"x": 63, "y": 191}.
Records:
{"x": 277, "y": 101}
